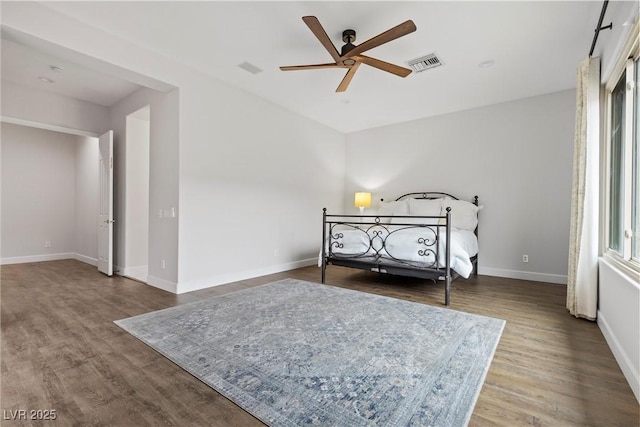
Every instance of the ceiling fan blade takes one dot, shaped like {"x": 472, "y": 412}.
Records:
{"x": 315, "y": 27}
{"x": 392, "y": 34}
{"x": 311, "y": 67}
{"x": 347, "y": 78}
{"x": 384, "y": 66}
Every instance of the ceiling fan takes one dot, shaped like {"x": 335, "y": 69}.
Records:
{"x": 351, "y": 56}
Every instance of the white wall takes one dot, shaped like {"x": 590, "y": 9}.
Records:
{"x": 49, "y": 181}
{"x": 253, "y": 181}
{"x": 137, "y": 195}
{"x": 618, "y": 291}
{"x": 163, "y": 182}
{"x": 86, "y": 199}
{"x": 24, "y": 104}
{"x": 38, "y": 192}
{"x": 516, "y": 156}
{"x": 619, "y": 319}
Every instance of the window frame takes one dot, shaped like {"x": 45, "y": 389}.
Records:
{"x": 625, "y": 66}
{"x": 635, "y": 168}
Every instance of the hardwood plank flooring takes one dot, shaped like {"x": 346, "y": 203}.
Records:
{"x": 61, "y": 351}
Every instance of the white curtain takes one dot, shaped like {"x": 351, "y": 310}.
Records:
{"x": 582, "y": 282}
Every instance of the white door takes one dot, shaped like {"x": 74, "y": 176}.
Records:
{"x": 105, "y": 220}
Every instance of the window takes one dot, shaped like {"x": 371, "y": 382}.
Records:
{"x": 616, "y": 176}
{"x": 623, "y": 162}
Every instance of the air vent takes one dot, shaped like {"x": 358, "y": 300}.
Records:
{"x": 250, "y": 68}
{"x": 424, "y": 63}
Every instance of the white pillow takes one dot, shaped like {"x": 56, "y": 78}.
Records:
{"x": 464, "y": 215}
{"x": 400, "y": 207}
{"x": 425, "y": 207}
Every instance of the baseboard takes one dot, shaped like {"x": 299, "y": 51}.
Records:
{"x": 630, "y": 373}
{"x": 523, "y": 275}
{"x": 36, "y": 258}
{"x": 137, "y": 270}
{"x": 49, "y": 257}
{"x": 195, "y": 285}
{"x": 86, "y": 259}
{"x": 140, "y": 272}
{"x": 163, "y": 284}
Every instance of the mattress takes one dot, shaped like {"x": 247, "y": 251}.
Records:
{"x": 418, "y": 247}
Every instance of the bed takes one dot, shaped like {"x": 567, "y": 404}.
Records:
{"x": 428, "y": 235}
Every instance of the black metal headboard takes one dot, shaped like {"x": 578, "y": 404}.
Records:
{"x": 426, "y": 195}
{"x": 430, "y": 195}
{"x": 434, "y": 195}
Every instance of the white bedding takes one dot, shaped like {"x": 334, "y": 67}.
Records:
{"x": 414, "y": 244}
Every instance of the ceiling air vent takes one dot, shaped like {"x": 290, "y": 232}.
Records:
{"x": 425, "y": 62}
{"x": 250, "y": 68}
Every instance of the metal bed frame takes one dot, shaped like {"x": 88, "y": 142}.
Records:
{"x": 378, "y": 228}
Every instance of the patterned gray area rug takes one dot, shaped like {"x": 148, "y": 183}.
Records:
{"x": 298, "y": 353}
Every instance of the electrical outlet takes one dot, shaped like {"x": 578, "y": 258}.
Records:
{"x": 525, "y": 258}
{"x": 47, "y": 244}
{"x": 163, "y": 264}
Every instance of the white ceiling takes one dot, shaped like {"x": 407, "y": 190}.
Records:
{"x": 536, "y": 47}
{"x": 29, "y": 67}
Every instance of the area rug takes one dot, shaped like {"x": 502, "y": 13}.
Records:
{"x": 296, "y": 353}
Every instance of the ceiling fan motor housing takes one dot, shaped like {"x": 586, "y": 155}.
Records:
{"x": 348, "y": 36}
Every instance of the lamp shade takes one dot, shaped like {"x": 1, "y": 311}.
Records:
{"x": 362, "y": 200}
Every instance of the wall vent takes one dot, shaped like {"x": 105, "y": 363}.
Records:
{"x": 426, "y": 62}
{"x": 250, "y": 68}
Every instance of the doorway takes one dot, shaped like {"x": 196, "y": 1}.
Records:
{"x": 136, "y": 221}
{"x": 49, "y": 193}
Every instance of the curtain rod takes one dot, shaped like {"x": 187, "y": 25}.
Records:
{"x": 600, "y": 27}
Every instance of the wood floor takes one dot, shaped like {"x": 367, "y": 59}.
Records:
{"x": 61, "y": 351}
